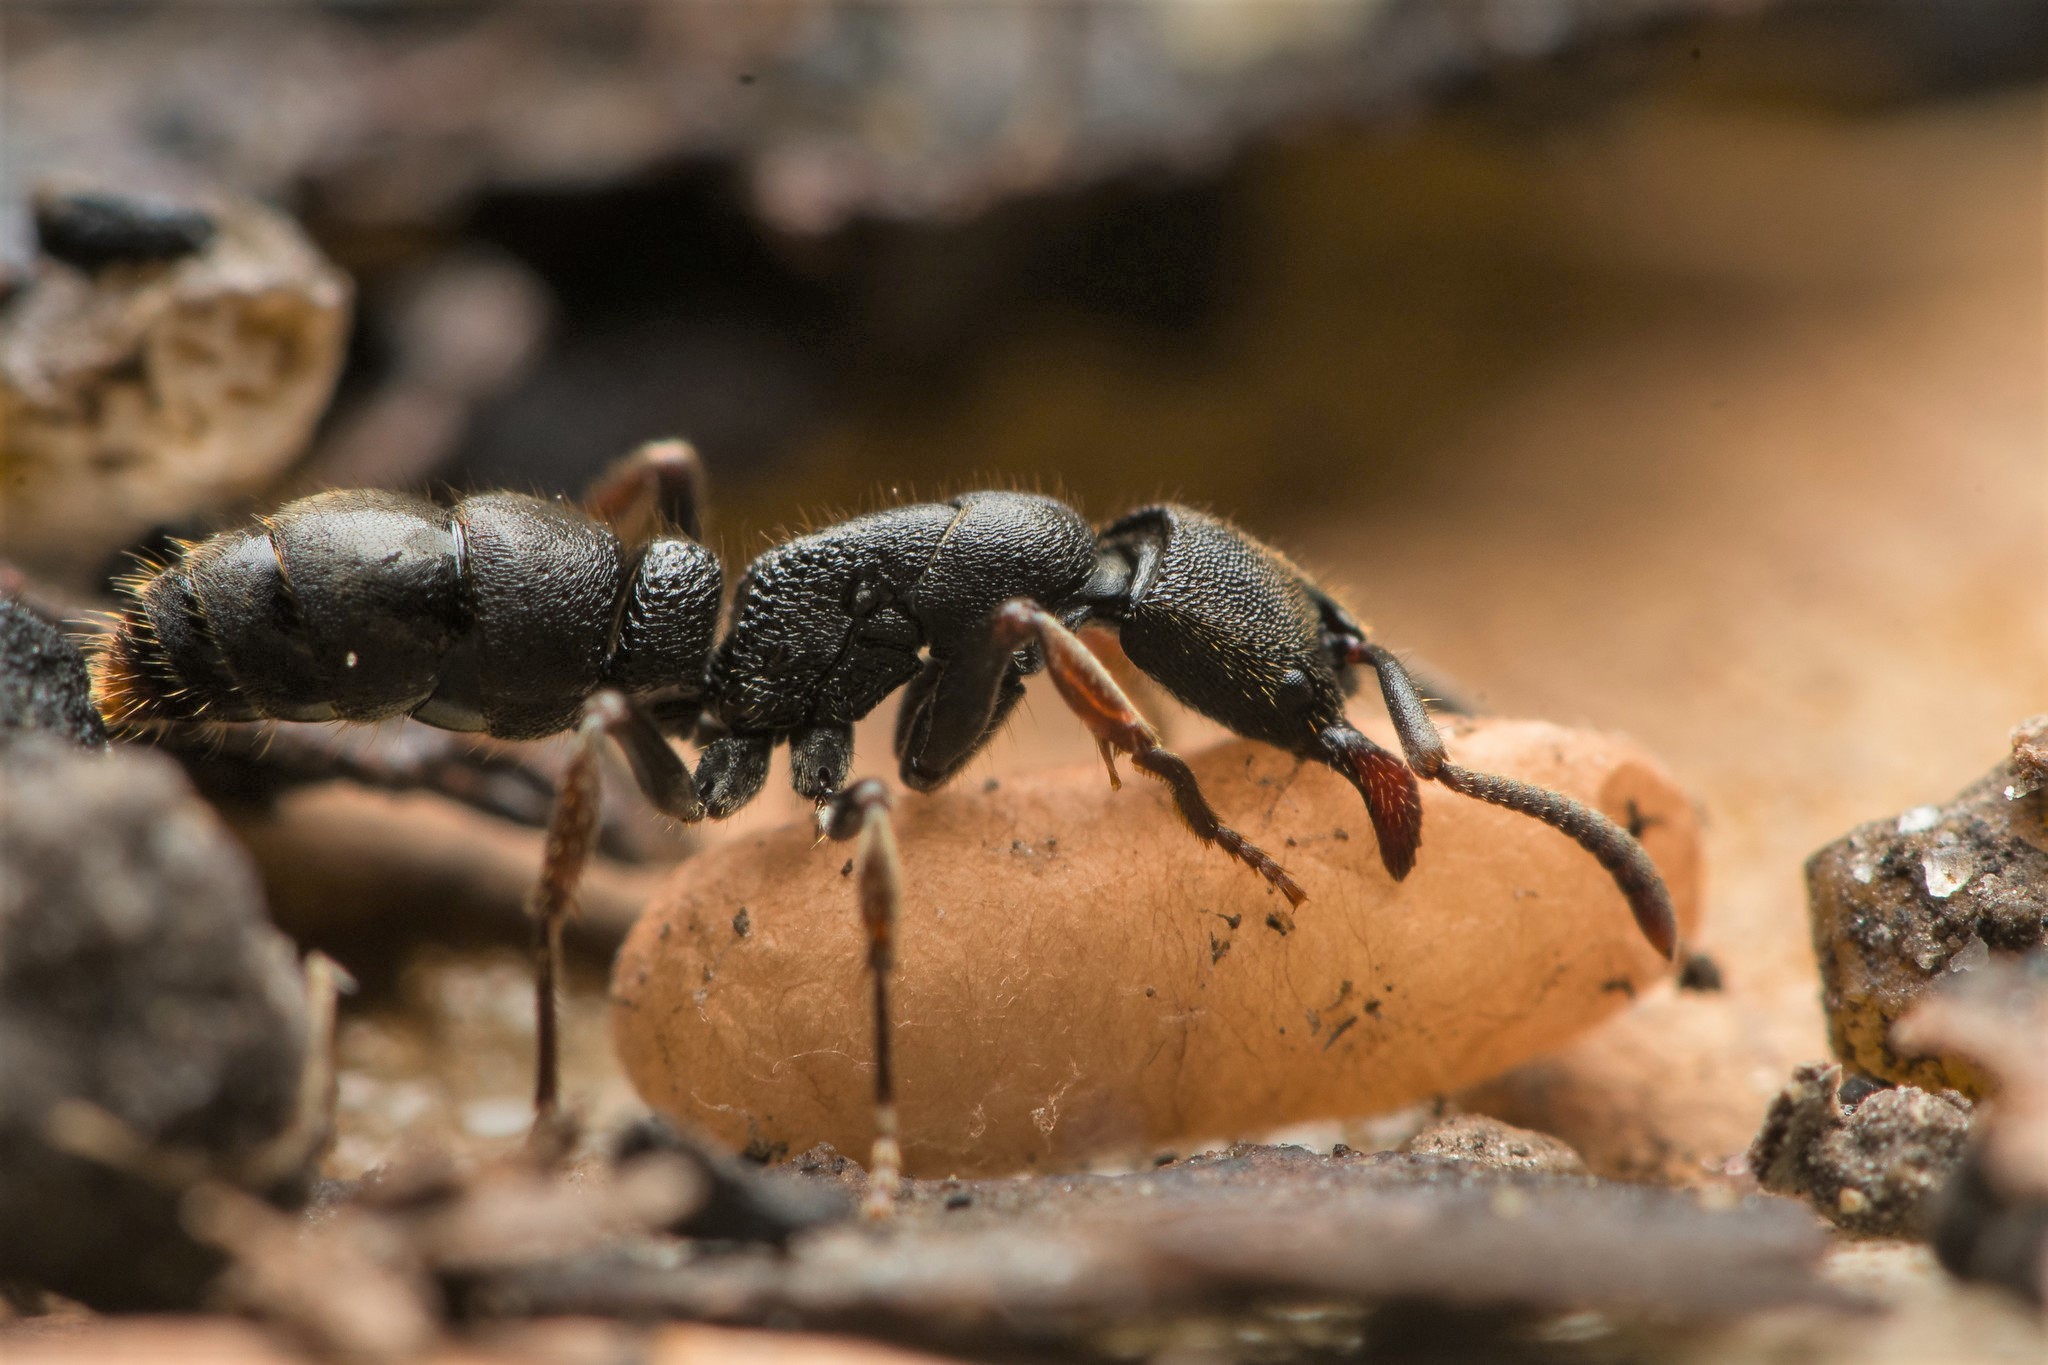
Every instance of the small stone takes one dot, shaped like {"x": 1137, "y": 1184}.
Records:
{"x": 1489, "y": 1142}
{"x": 140, "y": 973}
{"x": 1906, "y": 901}
{"x": 1919, "y": 820}
{"x": 1947, "y": 870}
{"x": 43, "y": 683}
{"x": 1970, "y": 956}
{"x": 1873, "y": 1170}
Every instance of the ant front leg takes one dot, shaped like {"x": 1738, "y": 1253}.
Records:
{"x": 1608, "y": 842}
{"x": 862, "y": 811}
{"x": 1093, "y": 695}
{"x": 571, "y": 837}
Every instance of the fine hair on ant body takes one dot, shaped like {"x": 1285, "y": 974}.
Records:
{"x": 520, "y": 617}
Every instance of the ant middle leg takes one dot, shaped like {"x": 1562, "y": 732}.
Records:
{"x": 1093, "y": 695}
{"x": 1610, "y": 844}
{"x": 862, "y": 811}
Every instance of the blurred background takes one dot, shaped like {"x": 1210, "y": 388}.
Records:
{"x": 1666, "y": 366}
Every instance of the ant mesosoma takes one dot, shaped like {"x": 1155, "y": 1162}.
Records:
{"x": 521, "y": 617}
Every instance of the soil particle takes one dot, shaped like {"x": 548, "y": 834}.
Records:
{"x": 1496, "y": 1145}
{"x": 1872, "y": 1169}
{"x": 1700, "y": 973}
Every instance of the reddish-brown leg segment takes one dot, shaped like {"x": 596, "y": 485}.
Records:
{"x": 661, "y": 483}
{"x": 862, "y": 811}
{"x": 1087, "y": 687}
{"x": 571, "y": 837}
{"x": 572, "y": 830}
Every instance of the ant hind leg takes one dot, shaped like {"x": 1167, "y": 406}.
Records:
{"x": 661, "y": 483}
{"x": 572, "y": 833}
{"x": 571, "y": 838}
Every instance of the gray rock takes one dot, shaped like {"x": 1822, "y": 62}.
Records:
{"x": 139, "y": 973}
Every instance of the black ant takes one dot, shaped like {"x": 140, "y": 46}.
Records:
{"x": 520, "y": 617}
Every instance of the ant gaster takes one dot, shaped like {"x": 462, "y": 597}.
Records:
{"x": 520, "y": 617}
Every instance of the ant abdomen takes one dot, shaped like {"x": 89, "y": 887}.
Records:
{"x": 501, "y": 614}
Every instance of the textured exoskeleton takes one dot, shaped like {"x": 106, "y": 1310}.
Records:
{"x": 502, "y": 614}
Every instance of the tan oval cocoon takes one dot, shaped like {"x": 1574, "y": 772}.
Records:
{"x": 1078, "y": 976}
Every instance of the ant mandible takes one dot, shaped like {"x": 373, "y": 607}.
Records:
{"x": 520, "y": 617}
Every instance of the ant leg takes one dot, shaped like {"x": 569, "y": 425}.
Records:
{"x": 862, "y": 811}
{"x": 1087, "y": 687}
{"x": 571, "y": 837}
{"x": 731, "y": 770}
{"x": 572, "y": 830}
{"x": 661, "y": 483}
{"x": 658, "y": 769}
{"x": 950, "y": 710}
{"x": 1607, "y": 841}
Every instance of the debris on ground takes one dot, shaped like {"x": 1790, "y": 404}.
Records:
{"x": 1991, "y": 1223}
{"x": 140, "y": 385}
{"x": 1901, "y": 904}
{"x": 92, "y": 231}
{"x": 1873, "y": 1163}
{"x": 141, "y": 981}
{"x": 374, "y": 879}
{"x": 741, "y": 1200}
{"x": 1312, "y": 1249}
{"x": 425, "y": 1238}
{"x": 1489, "y": 1142}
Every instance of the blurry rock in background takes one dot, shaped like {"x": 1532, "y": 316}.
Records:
{"x": 140, "y": 976}
{"x": 790, "y": 230}
{"x": 162, "y": 358}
